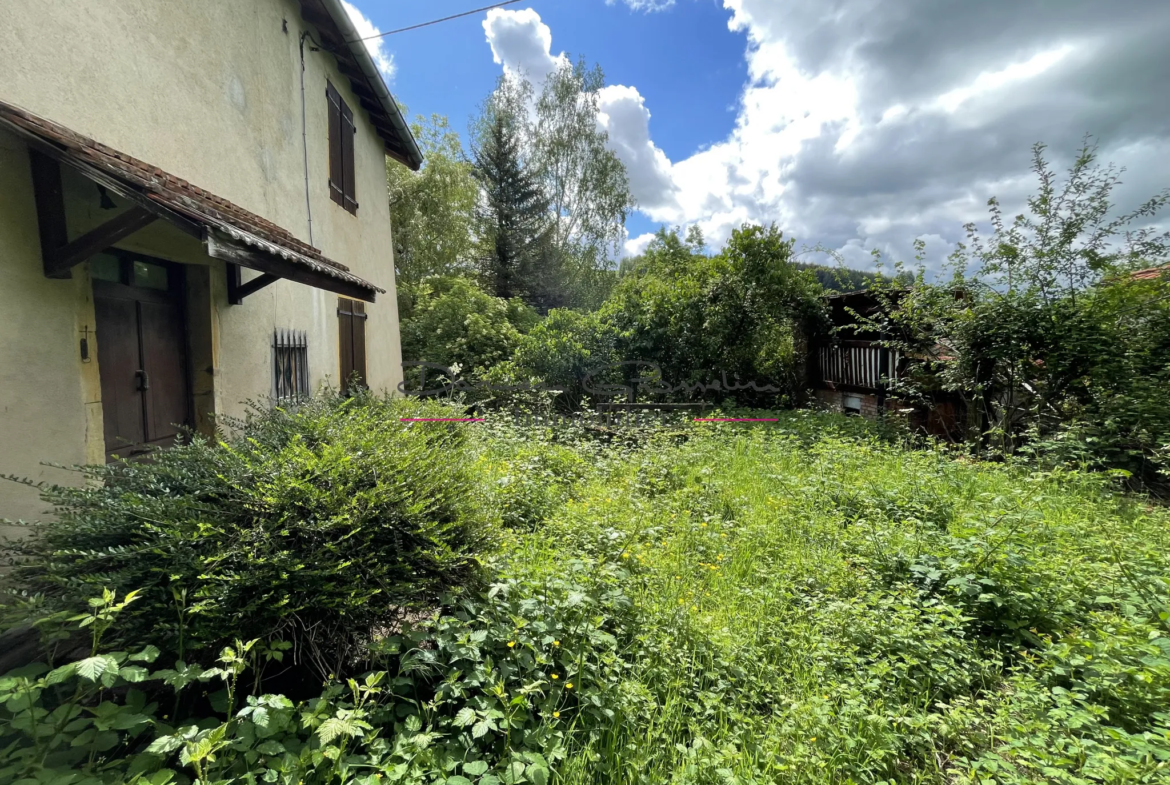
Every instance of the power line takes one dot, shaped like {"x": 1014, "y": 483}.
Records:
{"x": 436, "y": 21}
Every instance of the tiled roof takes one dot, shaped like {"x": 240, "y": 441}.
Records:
{"x": 1151, "y": 273}
{"x": 177, "y": 195}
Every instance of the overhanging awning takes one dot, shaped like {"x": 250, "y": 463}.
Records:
{"x": 229, "y": 232}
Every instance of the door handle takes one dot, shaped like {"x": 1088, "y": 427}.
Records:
{"x": 143, "y": 380}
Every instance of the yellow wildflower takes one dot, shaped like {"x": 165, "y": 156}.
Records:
{"x": 556, "y": 643}
{"x": 555, "y": 677}
{"x": 569, "y": 685}
{"x": 511, "y": 644}
{"x": 556, "y": 715}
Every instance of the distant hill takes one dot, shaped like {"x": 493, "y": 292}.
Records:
{"x": 841, "y": 279}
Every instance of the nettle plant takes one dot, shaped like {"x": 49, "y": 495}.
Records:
{"x": 107, "y": 718}
{"x": 499, "y": 688}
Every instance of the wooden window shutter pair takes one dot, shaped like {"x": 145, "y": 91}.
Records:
{"x": 342, "y": 187}
{"x": 351, "y": 318}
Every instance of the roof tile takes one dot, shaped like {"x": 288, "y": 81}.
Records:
{"x": 174, "y": 192}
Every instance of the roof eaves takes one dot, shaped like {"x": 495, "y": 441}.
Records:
{"x": 191, "y": 208}
{"x": 356, "y": 49}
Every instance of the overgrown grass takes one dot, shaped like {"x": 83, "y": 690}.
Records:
{"x": 816, "y": 604}
{"x": 816, "y": 600}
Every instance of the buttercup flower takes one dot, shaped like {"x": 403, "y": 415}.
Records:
{"x": 556, "y": 714}
{"x": 511, "y": 644}
{"x": 569, "y": 685}
{"x": 555, "y": 677}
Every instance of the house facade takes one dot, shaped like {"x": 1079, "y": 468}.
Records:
{"x": 193, "y": 215}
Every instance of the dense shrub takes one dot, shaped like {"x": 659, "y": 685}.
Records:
{"x": 1056, "y": 347}
{"x": 743, "y": 316}
{"x": 314, "y": 524}
{"x": 451, "y": 321}
{"x": 567, "y": 351}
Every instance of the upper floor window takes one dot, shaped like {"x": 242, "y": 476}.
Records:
{"x": 342, "y": 188}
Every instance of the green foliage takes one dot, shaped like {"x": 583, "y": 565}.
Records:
{"x": 513, "y": 219}
{"x": 745, "y": 315}
{"x": 844, "y": 279}
{"x": 315, "y": 525}
{"x": 451, "y": 321}
{"x": 564, "y": 351}
{"x": 1056, "y": 349}
{"x": 814, "y": 600}
{"x": 502, "y": 685}
{"x": 556, "y": 197}
{"x": 433, "y": 210}
{"x": 586, "y": 183}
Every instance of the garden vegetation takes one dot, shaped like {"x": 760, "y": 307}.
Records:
{"x": 816, "y": 600}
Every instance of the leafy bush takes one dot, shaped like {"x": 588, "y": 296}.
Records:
{"x": 564, "y": 351}
{"x": 1044, "y": 330}
{"x": 451, "y": 321}
{"x": 316, "y": 524}
{"x": 99, "y": 720}
{"x": 496, "y": 689}
{"x": 743, "y": 316}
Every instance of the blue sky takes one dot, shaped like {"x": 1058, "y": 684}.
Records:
{"x": 853, "y": 124}
{"x": 448, "y": 68}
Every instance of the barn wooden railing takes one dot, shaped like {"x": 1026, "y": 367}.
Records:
{"x": 856, "y": 365}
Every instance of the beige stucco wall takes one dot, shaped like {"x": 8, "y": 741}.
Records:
{"x": 50, "y": 401}
{"x": 208, "y": 91}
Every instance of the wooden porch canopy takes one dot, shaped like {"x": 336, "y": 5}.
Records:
{"x": 229, "y": 232}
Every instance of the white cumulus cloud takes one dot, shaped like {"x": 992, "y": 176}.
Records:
{"x": 521, "y": 43}
{"x": 375, "y": 46}
{"x": 627, "y": 120}
{"x": 649, "y": 6}
{"x": 636, "y": 246}
{"x": 866, "y": 124}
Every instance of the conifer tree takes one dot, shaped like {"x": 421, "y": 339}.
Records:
{"x": 513, "y": 213}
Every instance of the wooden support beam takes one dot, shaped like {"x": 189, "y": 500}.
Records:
{"x": 49, "y": 197}
{"x": 243, "y": 256}
{"x": 233, "y": 284}
{"x": 256, "y": 284}
{"x": 111, "y": 232}
{"x": 58, "y": 255}
{"x": 237, "y": 290}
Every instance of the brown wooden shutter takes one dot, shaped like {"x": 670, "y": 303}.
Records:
{"x": 351, "y": 325}
{"x": 348, "y": 132}
{"x": 336, "y": 159}
{"x": 345, "y": 339}
{"x": 359, "y": 342}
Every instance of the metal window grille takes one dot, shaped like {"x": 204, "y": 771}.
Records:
{"x": 290, "y": 352}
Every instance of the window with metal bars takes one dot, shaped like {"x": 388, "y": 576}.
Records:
{"x": 290, "y": 356}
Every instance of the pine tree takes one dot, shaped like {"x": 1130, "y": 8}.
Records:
{"x": 513, "y": 214}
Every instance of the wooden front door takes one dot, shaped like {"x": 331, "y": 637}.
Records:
{"x": 142, "y": 353}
